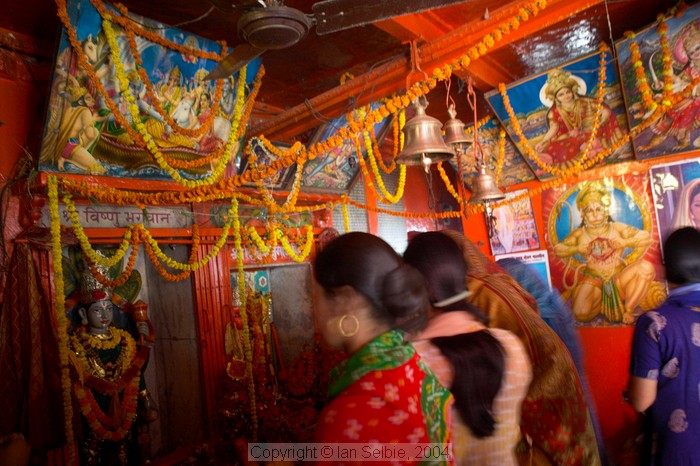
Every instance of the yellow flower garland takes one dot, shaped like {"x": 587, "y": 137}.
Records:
{"x": 305, "y": 250}
{"x": 247, "y": 349}
{"x": 63, "y": 323}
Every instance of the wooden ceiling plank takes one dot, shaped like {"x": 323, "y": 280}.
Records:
{"x": 427, "y": 26}
{"x": 391, "y": 77}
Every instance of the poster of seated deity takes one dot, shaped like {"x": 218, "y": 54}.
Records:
{"x": 676, "y": 189}
{"x": 603, "y": 252}
{"x": 511, "y": 226}
{"x": 130, "y": 98}
{"x": 661, "y": 65}
{"x": 513, "y": 168}
{"x": 568, "y": 117}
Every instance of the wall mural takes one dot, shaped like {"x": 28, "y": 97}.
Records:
{"x": 662, "y": 59}
{"x": 514, "y": 168}
{"x": 676, "y": 189}
{"x": 556, "y": 112}
{"x": 98, "y": 125}
{"x": 602, "y": 252}
{"x": 335, "y": 170}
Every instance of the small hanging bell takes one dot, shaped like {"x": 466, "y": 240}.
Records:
{"x": 454, "y": 130}
{"x": 485, "y": 188}
{"x": 423, "y": 142}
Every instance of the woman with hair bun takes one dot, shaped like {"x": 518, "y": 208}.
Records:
{"x": 366, "y": 300}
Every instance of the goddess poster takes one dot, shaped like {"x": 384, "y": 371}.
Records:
{"x": 556, "y": 114}
{"x": 675, "y": 41}
{"x": 168, "y": 117}
{"x": 603, "y": 252}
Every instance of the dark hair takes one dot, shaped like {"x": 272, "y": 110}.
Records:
{"x": 442, "y": 263}
{"x": 477, "y": 357}
{"x": 682, "y": 256}
{"x": 396, "y": 291}
{"x": 693, "y": 193}
{"x": 478, "y": 360}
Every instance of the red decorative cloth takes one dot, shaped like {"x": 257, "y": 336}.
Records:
{"x": 30, "y": 374}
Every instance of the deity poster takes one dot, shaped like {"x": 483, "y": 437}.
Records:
{"x": 647, "y": 83}
{"x": 555, "y": 121}
{"x": 603, "y": 249}
{"x": 169, "y": 116}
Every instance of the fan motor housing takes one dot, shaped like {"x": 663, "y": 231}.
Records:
{"x": 273, "y": 27}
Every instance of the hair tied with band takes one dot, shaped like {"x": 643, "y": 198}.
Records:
{"x": 453, "y": 299}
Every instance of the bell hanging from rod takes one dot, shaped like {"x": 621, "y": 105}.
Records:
{"x": 455, "y": 135}
{"x": 484, "y": 187}
{"x": 423, "y": 141}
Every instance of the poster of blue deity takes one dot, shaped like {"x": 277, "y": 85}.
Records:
{"x": 676, "y": 190}
{"x": 514, "y": 170}
{"x": 130, "y": 98}
{"x": 335, "y": 170}
{"x": 567, "y": 116}
{"x": 602, "y": 247}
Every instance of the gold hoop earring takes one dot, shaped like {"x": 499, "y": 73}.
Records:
{"x": 345, "y": 333}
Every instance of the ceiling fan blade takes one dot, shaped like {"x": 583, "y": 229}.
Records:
{"x": 337, "y": 15}
{"x": 242, "y": 55}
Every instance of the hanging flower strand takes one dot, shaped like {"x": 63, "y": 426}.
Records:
{"x": 62, "y": 320}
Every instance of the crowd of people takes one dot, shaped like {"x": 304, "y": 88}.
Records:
{"x": 447, "y": 347}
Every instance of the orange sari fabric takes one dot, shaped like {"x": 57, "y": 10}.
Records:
{"x": 556, "y": 423}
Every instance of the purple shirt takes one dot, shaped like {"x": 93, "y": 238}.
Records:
{"x": 666, "y": 348}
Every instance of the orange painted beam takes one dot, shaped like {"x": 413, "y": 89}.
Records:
{"x": 391, "y": 77}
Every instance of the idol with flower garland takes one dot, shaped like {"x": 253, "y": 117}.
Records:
{"x": 106, "y": 372}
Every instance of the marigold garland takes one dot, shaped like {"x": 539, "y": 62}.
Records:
{"x": 242, "y": 292}
{"x": 63, "y": 323}
{"x": 305, "y": 250}
{"x": 448, "y": 184}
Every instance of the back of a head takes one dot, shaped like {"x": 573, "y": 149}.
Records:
{"x": 396, "y": 291}
{"x": 441, "y": 262}
{"x": 682, "y": 256}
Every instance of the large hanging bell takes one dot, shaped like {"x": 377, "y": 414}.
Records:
{"x": 454, "y": 130}
{"x": 423, "y": 143}
{"x": 484, "y": 187}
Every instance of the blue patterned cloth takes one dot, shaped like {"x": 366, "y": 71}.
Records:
{"x": 666, "y": 348}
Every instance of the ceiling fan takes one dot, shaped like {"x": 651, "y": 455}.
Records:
{"x": 272, "y": 25}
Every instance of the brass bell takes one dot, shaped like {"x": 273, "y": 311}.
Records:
{"x": 484, "y": 188}
{"x": 423, "y": 142}
{"x": 454, "y": 130}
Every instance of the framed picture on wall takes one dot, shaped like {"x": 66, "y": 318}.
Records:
{"x": 174, "y": 106}
{"x": 511, "y": 227}
{"x": 674, "y": 131}
{"x": 336, "y": 170}
{"x": 263, "y": 157}
{"x": 556, "y": 113}
{"x": 602, "y": 246}
{"x": 515, "y": 170}
{"x": 676, "y": 190}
